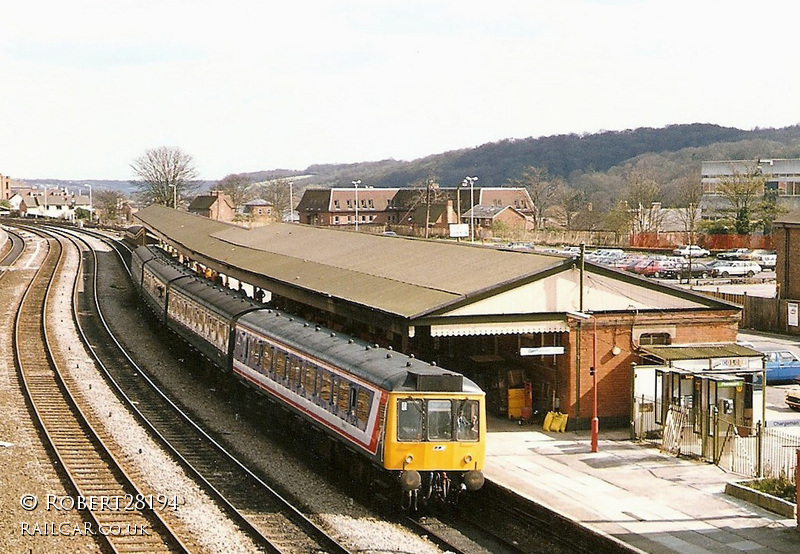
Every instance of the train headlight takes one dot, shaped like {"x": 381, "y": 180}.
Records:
{"x": 409, "y": 459}
{"x": 467, "y": 459}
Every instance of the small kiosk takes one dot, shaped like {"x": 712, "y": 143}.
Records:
{"x": 700, "y": 396}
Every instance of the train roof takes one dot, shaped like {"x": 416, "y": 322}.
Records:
{"x": 160, "y": 264}
{"x": 382, "y": 367}
{"x": 221, "y": 300}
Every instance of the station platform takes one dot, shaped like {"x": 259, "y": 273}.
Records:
{"x": 644, "y": 500}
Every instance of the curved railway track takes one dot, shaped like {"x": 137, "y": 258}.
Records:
{"x": 124, "y": 522}
{"x": 271, "y": 520}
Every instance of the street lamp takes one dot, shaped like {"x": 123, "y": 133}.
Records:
{"x": 471, "y": 182}
{"x": 355, "y": 184}
{"x": 91, "y": 207}
{"x": 291, "y": 203}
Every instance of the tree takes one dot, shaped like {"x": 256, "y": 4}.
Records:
{"x": 569, "y": 202}
{"x": 109, "y": 201}
{"x": 164, "y": 174}
{"x": 277, "y": 192}
{"x": 742, "y": 190}
{"x": 689, "y": 191}
{"x": 236, "y": 187}
{"x": 540, "y": 188}
{"x": 641, "y": 194}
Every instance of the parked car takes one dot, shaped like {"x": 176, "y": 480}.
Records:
{"x": 793, "y": 399}
{"x": 734, "y": 254}
{"x": 699, "y": 269}
{"x": 692, "y": 250}
{"x": 606, "y": 255}
{"x": 736, "y": 268}
{"x": 783, "y": 366}
{"x": 767, "y": 259}
{"x": 658, "y": 269}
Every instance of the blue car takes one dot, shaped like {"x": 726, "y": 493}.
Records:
{"x": 783, "y": 366}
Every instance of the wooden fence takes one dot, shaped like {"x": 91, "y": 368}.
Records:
{"x": 762, "y": 314}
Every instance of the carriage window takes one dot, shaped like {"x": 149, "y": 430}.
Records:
{"x": 362, "y": 408}
{"x": 325, "y": 387}
{"x": 467, "y": 420}
{"x": 440, "y": 420}
{"x": 409, "y": 420}
{"x": 310, "y": 377}
{"x": 266, "y": 359}
{"x": 295, "y": 364}
{"x": 343, "y": 397}
{"x": 280, "y": 364}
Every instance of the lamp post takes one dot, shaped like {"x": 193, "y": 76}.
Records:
{"x": 291, "y": 203}
{"x": 355, "y": 184}
{"x": 471, "y": 182}
{"x": 91, "y": 207}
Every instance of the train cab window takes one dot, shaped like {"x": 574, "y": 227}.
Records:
{"x": 467, "y": 420}
{"x": 409, "y": 420}
{"x": 440, "y": 420}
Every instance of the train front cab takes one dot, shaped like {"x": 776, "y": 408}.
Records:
{"x": 436, "y": 441}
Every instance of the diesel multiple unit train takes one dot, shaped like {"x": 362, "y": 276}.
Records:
{"x": 398, "y": 419}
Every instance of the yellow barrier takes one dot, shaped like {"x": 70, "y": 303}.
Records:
{"x": 555, "y": 421}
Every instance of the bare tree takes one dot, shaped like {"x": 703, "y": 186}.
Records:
{"x": 642, "y": 192}
{"x": 689, "y": 193}
{"x": 109, "y": 201}
{"x": 164, "y": 175}
{"x": 236, "y": 187}
{"x": 541, "y": 189}
{"x": 742, "y": 190}
{"x": 568, "y": 201}
{"x": 277, "y": 192}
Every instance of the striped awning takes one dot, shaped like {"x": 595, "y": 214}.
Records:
{"x": 498, "y": 328}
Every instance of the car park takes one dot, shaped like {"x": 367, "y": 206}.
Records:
{"x": 691, "y": 250}
{"x": 736, "y": 268}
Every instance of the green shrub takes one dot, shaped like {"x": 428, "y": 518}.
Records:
{"x": 776, "y": 486}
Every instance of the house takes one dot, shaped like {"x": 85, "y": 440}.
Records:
{"x": 488, "y": 217}
{"x": 5, "y": 187}
{"x": 398, "y": 206}
{"x": 259, "y": 209}
{"x": 215, "y": 205}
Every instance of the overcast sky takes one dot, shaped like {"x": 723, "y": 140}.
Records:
{"x": 88, "y": 86}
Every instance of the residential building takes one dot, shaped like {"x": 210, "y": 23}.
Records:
{"x": 216, "y": 205}
{"x": 400, "y": 206}
{"x": 5, "y": 187}
{"x": 259, "y": 210}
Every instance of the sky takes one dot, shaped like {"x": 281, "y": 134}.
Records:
{"x": 86, "y": 87}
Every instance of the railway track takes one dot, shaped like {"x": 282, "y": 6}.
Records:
{"x": 272, "y": 521}
{"x": 124, "y": 521}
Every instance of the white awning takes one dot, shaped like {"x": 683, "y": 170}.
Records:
{"x": 503, "y": 328}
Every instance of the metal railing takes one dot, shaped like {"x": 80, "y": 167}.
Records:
{"x": 685, "y": 431}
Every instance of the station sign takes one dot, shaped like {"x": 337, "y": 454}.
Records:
{"x": 542, "y": 351}
{"x": 459, "y": 230}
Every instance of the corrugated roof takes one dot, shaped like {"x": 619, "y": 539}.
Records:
{"x": 399, "y": 276}
{"x": 700, "y": 351}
